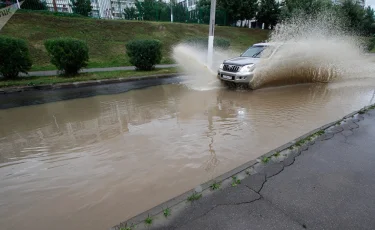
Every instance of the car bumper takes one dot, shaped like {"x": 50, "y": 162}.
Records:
{"x": 235, "y": 77}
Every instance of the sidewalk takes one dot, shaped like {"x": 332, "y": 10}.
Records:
{"x": 54, "y": 72}
{"x": 329, "y": 185}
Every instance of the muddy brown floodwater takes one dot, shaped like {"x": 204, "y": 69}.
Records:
{"x": 94, "y": 162}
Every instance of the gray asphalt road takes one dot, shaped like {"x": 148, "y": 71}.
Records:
{"x": 54, "y": 72}
{"x": 331, "y": 185}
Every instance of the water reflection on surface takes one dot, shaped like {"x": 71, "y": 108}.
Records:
{"x": 91, "y": 163}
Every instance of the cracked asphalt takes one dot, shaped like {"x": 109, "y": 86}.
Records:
{"x": 326, "y": 184}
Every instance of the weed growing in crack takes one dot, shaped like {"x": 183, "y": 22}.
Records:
{"x": 265, "y": 160}
{"x": 320, "y": 132}
{"x": 338, "y": 123}
{"x": 167, "y": 212}
{"x": 195, "y": 196}
{"x": 148, "y": 220}
{"x": 277, "y": 154}
{"x": 235, "y": 181}
{"x": 362, "y": 111}
{"x": 371, "y": 107}
{"x": 131, "y": 227}
{"x": 215, "y": 186}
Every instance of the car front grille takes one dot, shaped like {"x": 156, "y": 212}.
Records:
{"x": 231, "y": 68}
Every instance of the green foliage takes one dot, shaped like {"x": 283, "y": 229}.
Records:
{"x": 353, "y": 13}
{"x": 144, "y": 54}
{"x": 148, "y": 220}
{"x": 290, "y": 8}
{"x": 235, "y": 181}
{"x": 215, "y": 186}
{"x": 268, "y": 13}
{"x": 67, "y": 54}
{"x": 238, "y": 9}
{"x": 265, "y": 160}
{"x": 195, "y": 196}
{"x": 82, "y": 7}
{"x": 14, "y": 57}
{"x": 130, "y": 13}
{"x": 34, "y": 5}
{"x": 167, "y": 212}
{"x": 202, "y": 42}
{"x": 369, "y": 22}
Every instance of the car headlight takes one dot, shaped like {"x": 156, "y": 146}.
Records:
{"x": 221, "y": 66}
{"x": 247, "y": 68}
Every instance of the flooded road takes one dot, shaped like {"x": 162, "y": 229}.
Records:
{"x": 93, "y": 162}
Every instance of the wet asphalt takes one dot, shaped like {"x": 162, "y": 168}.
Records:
{"x": 329, "y": 185}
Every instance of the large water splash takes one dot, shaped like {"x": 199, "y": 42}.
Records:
{"x": 314, "y": 49}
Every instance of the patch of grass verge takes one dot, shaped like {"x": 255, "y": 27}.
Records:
{"x": 167, "y": 212}
{"x": 215, "y": 186}
{"x": 195, "y": 196}
{"x": 235, "y": 181}
{"x": 106, "y": 38}
{"x": 36, "y": 81}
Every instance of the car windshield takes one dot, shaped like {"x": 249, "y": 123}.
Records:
{"x": 256, "y": 51}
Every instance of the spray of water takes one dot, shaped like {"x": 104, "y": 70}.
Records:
{"x": 313, "y": 49}
{"x": 310, "y": 49}
{"x": 193, "y": 59}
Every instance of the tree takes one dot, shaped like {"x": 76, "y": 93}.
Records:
{"x": 369, "y": 21}
{"x": 34, "y": 5}
{"x": 180, "y": 13}
{"x": 268, "y": 13}
{"x": 146, "y": 9}
{"x": 238, "y": 9}
{"x": 82, "y": 7}
{"x": 130, "y": 13}
{"x": 204, "y": 7}
{"x": 290, "y": 8}
{"x": 354, "y": 15}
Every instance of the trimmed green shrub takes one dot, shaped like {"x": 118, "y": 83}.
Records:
{"x": 202, "y": 42}
{"x": 14, "y": 57}
{"x": 144, "y": 54}
{"x": 68, "y": 54}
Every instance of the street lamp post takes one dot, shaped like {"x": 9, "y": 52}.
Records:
{"x": 211, "y": 34}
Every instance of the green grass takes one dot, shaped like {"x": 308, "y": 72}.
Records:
{"x": 148, "y": 220}
{"x": 265, "y": 160}
{"x": 235, "y": 181}
{"x": 215, "y": 186}
{"x": 106, "y": 38}
{"x": 167, "y": 212}
{"x": 195, "y": 196}
{"x": 35, "y": 81}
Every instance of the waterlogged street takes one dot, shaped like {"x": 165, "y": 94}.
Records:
{"x": 90, "y": 163}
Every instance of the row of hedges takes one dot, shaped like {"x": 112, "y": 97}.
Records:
{"x": 67, "y": 54}
{"x": 70, "y": 55}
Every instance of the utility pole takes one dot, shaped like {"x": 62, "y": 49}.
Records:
{"x": 211, "y": 34}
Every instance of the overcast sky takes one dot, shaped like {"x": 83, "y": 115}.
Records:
{"x": 370, "y": 3}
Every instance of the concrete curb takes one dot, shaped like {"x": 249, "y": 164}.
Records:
{"x": 18, "y": 89}
{"x": 245, "y": 168}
